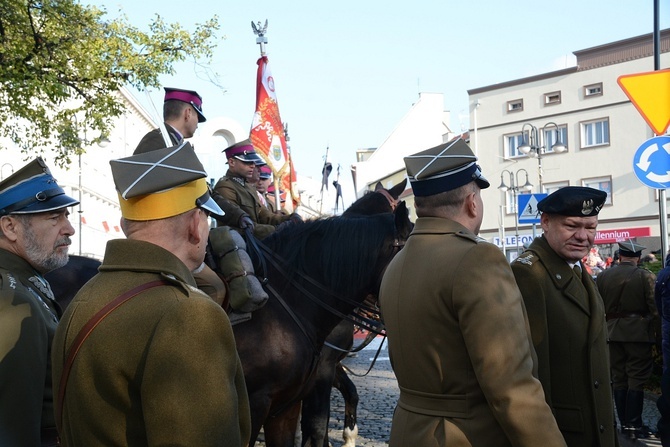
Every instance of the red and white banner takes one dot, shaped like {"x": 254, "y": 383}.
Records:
{"x": 267, "y": 134}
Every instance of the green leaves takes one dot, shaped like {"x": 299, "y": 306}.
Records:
{"x": 62, "y": 64}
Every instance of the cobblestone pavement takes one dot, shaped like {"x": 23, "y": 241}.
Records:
{"x": 378, "y": 393}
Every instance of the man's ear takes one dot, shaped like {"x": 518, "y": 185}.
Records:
{"x": 194, "y": 227}
{"x": 471, "y": 205}
{"x": 8, "y": 226}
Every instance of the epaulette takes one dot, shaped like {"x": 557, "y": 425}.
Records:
{"x": 469, "y": 236}
{"x": 182, "y": 285}
{"x": 7, "y": 283}
{"x": 526, "y": 259}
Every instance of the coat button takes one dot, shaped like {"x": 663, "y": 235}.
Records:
{"x": 596, "y": 384}
{"x": 602, "y": 429}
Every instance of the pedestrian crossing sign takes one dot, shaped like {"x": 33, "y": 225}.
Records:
{"x": 527, "y": 208}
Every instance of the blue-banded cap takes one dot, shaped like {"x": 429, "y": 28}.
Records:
{"x": 32, "y": 189}
{"x": 443, "y": 168}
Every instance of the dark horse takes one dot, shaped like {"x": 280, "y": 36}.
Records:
{"x": 66, "y": 281}
{"x": 330, "y": 372}
{"x": 314, "y": 270}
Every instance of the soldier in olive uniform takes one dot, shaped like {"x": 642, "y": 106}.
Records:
{"x": 633, "y": 326}
{"x": 567, "y": 317}
{"x": 458, "y": 335}
{"x": 235, "y": 187}
{"x": 182, "y": 111}
{"x": 162, "y": 367}
{"x": 34, "y": 238}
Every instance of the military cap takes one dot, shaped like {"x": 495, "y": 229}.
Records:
{"x": 187, "y": 96}
{"x": 162, "y": 183}
{"x": 244, "y": 151}
{"x": 443, "y": 168}
{"x": 630, "y": 249}
{"x": 579, "y": 201}
{"x": 265, "y": 172}
{"x": 32, "y": 189}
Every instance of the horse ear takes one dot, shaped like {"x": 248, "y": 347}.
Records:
{"x": 402, "y": 223}
{"x": 398, "y": 189}
{"x": 379, "y": 186}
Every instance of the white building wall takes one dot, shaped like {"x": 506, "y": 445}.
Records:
{"x": 424, "y": 126}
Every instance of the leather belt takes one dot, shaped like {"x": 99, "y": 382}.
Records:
{"x": 614, "y": 315}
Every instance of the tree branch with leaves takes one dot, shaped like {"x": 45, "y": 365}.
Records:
{"x": 62, "y": 64}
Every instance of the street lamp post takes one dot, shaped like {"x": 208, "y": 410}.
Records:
{"x": 534, "y": 147}
{"x": 515, "y": 187}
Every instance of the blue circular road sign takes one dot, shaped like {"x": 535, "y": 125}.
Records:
{"x": 651, "y": 162}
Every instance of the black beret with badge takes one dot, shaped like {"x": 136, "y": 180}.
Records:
{"x": 32, "y": 189}
{"x": 162, "y": 183}
{"x": 443, "y": 168}
{"x": 630, "y": 249}
{"x": 576, "y": 201}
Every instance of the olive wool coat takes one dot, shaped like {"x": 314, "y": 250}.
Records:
{"x": 161, "y": 369}
{"x": 236, "y": 190}
{"x": 460, "y": 345}
{"x": 567, "y": 323}
{"x": 28, "y": 320}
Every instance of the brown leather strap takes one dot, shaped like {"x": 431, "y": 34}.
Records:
{"x": 86, "y": 331}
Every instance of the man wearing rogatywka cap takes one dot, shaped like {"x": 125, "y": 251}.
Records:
{"x": 182, "y": 111}
{"x": 162, "y": 367}
{"x": 34, "y": 238}
{"x": 633, "y": 326}
{"x": 234, "y": 186}
{"x": 264, "y": 181}
{"x": 567, "y": 317}
{"x": 458, "y": 334}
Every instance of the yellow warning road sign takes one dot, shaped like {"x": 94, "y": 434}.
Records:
{"x": 650, "y": 94}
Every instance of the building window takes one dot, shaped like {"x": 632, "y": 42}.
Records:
{"x": 601, "y": 183}
{"x": 515, "y": 105}
{"x": 595, "y": 133}
{"x": 593, "y": 90}
{"x": 552, "y": 98}
{"x": 549, "y": 137}
{"x": 512, "y": 143}
{"x": 548, "y": 188}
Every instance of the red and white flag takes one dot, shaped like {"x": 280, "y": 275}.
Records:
{"x": 267, "y": 134}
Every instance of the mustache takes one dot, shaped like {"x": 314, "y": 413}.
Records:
{"x": 63, "y": 241}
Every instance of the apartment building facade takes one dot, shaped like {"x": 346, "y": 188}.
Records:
{"x": 599, "y": 130}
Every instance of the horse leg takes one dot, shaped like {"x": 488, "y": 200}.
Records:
{"x": 316, "y": 406}
{"x": 280, "y": 430}
{"x": 344, "y": 384}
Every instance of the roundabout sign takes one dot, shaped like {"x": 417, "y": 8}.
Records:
{"x": 651, "y": 162}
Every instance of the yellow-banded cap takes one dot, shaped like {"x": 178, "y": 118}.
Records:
{"x": 162, "y": 183}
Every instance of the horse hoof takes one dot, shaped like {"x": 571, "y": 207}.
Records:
{"x": 350, "y": 436}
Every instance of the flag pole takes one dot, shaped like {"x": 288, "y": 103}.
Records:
{"x": 261, "y": 40}
{"x": 337, "y": 191}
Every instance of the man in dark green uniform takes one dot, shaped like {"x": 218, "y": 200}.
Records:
{"x": 162, "y": 367}
{"x": 458, "y": 334}
{"x": 34, "y": 238}
{"x": 633, "y": 326}
{"x": 235, "y": 187}
{"x": 567, "y": 317}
